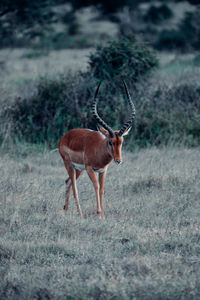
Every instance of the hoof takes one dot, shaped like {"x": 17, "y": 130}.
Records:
{"x": 100, "y": 215}
{"x": 65, "y": 207}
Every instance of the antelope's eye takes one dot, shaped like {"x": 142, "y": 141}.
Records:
{"x": 110, "y": 143}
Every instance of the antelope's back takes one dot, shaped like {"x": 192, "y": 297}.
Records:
{"x": 79, "y": 139}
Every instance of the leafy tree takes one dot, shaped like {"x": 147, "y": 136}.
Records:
{"x": 24, "y": 17}
{"x": 27, "y": 19}
{"x": 124, "y": 58}
{"x": 107, "y": 7}
{"x": 194, "y": 2}
{"x": 158, "y": 14}
{"x": 185, "y": 37}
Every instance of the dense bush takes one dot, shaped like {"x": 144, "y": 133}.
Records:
{"x": 62, "y": 104}
{"x": 124, "y": 58}
{"x": 157, "y": 14}
{"x": 190, "y": 27}
{"x": 53, "y": 109}
{"x": 169, "y": 116}
{"x": 107, "y": 7}
{"x": 164, "y": 115}
{"x": 185, "y": 37}
{"x": 170, "y": 40}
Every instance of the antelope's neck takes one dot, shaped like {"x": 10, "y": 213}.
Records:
{"x": 104, "y": 153}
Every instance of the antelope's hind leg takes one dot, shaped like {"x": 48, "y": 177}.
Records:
{"x": 68, "y": 190}
{"x": 68, "y": 183}
{"x": 75, "y": 191}
{"x": 73, "y": 174}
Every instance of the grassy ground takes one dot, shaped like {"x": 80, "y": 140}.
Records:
{"x": 147, "y": 248}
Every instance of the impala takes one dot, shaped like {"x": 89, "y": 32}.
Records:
{"x": 93, "y": 151}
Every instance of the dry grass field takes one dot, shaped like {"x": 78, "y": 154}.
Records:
{"x": 20, "y": 68}
{"x": 148, "y": 247}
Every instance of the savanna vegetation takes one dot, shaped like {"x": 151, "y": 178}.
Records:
{"x": 148, "y": 247}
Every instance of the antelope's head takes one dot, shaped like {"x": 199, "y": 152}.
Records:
{"x": 114, "y": 138}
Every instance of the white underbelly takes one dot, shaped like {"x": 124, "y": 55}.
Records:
{"x": 78, "y": 167}
{"x": 81, "y": 167}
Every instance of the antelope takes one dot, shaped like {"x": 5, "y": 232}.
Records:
{"x": 93, "y": 151}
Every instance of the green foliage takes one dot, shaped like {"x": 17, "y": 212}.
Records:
{"x": 170, "y": 116}
{"x": 23, "y": 23}
{"x": 185, "y": 38}
{"x": 26, "y": 12}
{"x": 107, "y": 7}
{"x": 194, "y": 2}
{"x": 170, "y": 40}
{"x": 53, "y": 109}
{"x": 158, "y": 14}
{"x": 190, "y": 28}
{"x": 164, "y": 115}
{"x": 64, "y": 103}
{"x": 124, "y": 58}
{"x": 70, "y": 20}
{"x": 34, "y": 23}
{"x": 27, "y": 18}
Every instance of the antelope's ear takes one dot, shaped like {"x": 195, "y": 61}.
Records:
{"x": 104, "y": 132}
{"x": 126, "y": 132}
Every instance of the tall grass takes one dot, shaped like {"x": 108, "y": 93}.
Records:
{"x": 147, "y": 248}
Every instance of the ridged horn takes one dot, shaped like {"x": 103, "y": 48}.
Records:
{"x": 97, "y": 117}
{"x": 128, "y": 123}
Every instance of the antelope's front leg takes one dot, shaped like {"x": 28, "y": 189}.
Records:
{"x": 102, "y": 177}
{"x": 94, "y": 180}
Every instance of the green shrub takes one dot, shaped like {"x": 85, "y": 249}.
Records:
{"x": 170, "y": 40}
{"x": 157, "y": 14}
{"x": 62, "y": 104}
{"x": 70, "y": 20}
{"x": 190, "y": 28}
{"x": 163, "y": 115}
{"x": 169, "y": 115}
{"x": 124, "y": 58}
{"x": 185, "y": 38}
{"x": 53, "y": 109}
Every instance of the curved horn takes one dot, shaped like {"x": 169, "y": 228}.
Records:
{"x": 96, "y": 116}
{"x": 128, "y": 123}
